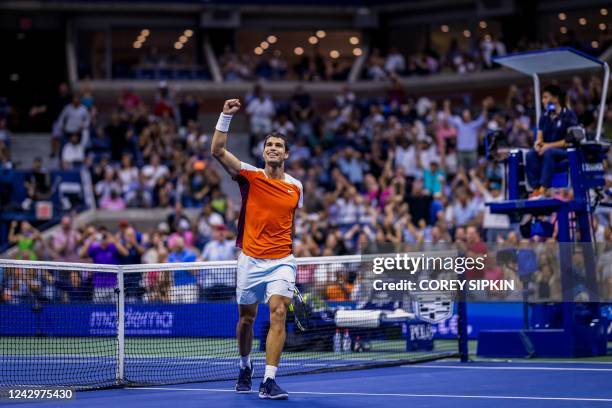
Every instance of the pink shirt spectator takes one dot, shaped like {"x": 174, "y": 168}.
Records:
{"x": 65, "y": 243}
{"x": 113, "y": 204}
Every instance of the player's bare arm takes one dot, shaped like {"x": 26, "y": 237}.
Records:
{"x": 219, "y": 141}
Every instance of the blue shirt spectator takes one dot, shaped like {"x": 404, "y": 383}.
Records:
{"x": 178, "y": 255}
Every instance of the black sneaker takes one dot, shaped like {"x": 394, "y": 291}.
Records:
{"x": 270, "y": 390}
{"x": 243, "y": 384}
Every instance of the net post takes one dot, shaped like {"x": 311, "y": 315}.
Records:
{"x": 120, "y": 326}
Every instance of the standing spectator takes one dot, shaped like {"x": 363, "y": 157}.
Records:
{"x": 154, "y": 170}
{"x": 104, "y": 249}
{"x": 260, "y": 110}
{"x": 184, "y": 288}
{"x": 38, "y": 184}
{"x": 66, "y": 241}
{"x": 135, "y": 250}
{"x": 25, "y": 239}
{"x": 218, "y": 283}
{"x": 74, "y": 118}
{"x": 395, "y": 63}
{"x": 468, "y": 132}
{"x": 73, "y": 153}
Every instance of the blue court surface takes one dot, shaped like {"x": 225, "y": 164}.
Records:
{"x": 437, "y": 384}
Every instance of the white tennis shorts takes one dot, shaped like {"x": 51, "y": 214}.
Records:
{"x": 258, "y": 279}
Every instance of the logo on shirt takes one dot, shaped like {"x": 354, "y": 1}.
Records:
{"x": 290, "y": 191}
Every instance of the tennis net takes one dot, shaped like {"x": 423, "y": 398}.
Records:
{"x": 92, "y": 326}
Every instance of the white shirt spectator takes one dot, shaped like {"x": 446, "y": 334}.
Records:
{"x": 261, "y": 112}
{"x": 153, "y": 173}
{"x": 104, "y": 188}
{"x": 219, "y": 250}
{"x": 75, "y": 152}
{"x": 395, "y": 63}
{"x": 73, "y": 119}
{"x": 127, "y": 177}
{"x": 406, "y": 158}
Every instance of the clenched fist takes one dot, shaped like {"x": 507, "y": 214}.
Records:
{"x": 231, "y": 106}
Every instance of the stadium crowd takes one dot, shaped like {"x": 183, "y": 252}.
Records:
{"x": 405, "y": 172}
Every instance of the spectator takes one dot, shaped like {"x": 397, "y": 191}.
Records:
{"x": 26, "y": 239}
{"x": 66, "y": 241}
{"x": 467, "y": 133}
{"x": 154, "y": 171}
{"x": 73, "y": 153}
{"x": 395, "y": 63}
{"x": 103, "y": 248}
{"x": 114, "y": 202}
{"x": 105, "y": 188}
{"x": 184, "y": 289}
{"x": 217, "y": 283}
{"x": 38, "y": 184}
{"x": 75, "y": 290}
{"x": 75, "y": 118}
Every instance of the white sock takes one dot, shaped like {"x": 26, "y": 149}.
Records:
{"x": 270, "y": 372}
{"x": 245, "y": 361}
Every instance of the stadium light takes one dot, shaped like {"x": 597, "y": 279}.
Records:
{"x": 137, "y": 44}
{"x": 321, "y": 34}
{"x": 313, "y": 40}
{"x": 563, "y": 30}
{"x": 467, "y": 33}
{"x": 444, "y": 28}
{"x": 178, "y": 45}
{"x": 145, "y": 32}
{"x": 603, "y": 12}
{"x": 188, "y": 33}
{"x": 483, "y": 24}
{"x": 562, "y": 16}
{"x": 141, "y": 38}
{"x": 582, "y": 21}
{"x": 594, "y": 44}
{"x": 334, "y": 54}
{"x": 183, "y": 39}
{"x": 264, "y": 45}
{"x": 603, "y": 26}
{"x": 354, "y": 40}
{"x": 298, "y": 50}
{"x": 258, "y": 50}
{"x": 271, "y": 39}
{"x": 357, "y": 52}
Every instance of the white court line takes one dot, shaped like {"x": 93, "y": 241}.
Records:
{"x": 520, "y": 361}
{"x": 509, "y": 368}
{"x": 368, "y": 394}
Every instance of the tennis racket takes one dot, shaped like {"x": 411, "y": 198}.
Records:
{"x": 300, "y": 309}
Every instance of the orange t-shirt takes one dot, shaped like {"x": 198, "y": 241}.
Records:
{"x": 266, "y": 218}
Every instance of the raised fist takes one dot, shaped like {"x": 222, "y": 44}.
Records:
{"x": 231, "y": 106}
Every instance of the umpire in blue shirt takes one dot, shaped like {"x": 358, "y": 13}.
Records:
{"x": 549, "y": 148}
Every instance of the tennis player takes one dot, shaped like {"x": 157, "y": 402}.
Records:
{"x": 266, "y": 266}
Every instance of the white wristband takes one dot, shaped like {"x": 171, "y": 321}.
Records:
{"x": 223, "y": 122}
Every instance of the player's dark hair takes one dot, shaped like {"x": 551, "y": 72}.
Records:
{"x": 278, "y": 136}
